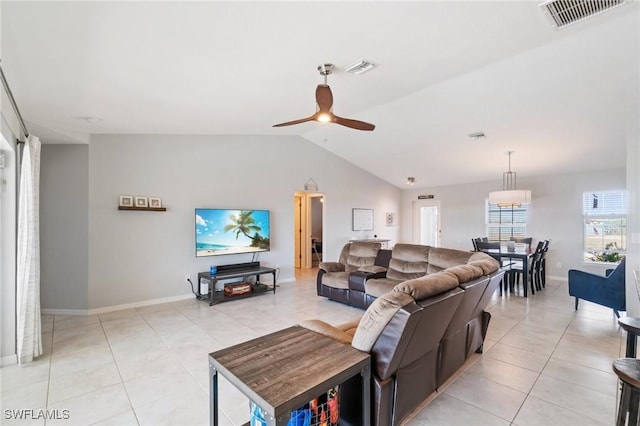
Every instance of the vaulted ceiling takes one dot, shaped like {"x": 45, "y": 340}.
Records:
{"x": 563, "y": 100}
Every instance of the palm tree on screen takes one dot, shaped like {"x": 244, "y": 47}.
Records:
{"x": 244, "y": 223}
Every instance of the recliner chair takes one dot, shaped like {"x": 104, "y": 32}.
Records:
{"x": 333, "y": 277}
{"x": 607, "y": 291}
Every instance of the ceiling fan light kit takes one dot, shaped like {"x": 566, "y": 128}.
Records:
{"x": 324, "y": 101}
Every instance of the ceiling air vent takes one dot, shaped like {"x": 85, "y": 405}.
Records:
{"x": 360, "y": 67}
{"x": 565, "y": 12}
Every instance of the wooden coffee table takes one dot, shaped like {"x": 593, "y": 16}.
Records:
{"x": 284, "y": 370}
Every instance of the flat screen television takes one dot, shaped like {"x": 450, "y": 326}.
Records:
{"x": 225, "y": 231}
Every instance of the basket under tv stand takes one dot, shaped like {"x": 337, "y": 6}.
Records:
{"x": 239, "y": 270}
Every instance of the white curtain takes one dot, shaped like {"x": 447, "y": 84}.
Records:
{"x": 29, "y": 333}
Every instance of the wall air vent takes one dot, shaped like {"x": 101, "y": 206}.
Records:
{"x": 565, "y": 12}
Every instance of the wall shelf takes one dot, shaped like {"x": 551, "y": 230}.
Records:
{"x": 147, "y": 209}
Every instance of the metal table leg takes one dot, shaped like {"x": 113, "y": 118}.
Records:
{"x": 366, "y": 395}
{"x": 213, "y": 399}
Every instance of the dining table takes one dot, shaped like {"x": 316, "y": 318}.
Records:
{"x": 519, "y": 253}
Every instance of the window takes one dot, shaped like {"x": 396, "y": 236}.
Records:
{"x": 605, "y": 225}
{"x": 506, "y": 222}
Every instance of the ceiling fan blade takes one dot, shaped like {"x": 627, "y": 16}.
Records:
{"x": 302, "y": 120}
{"x": 324, "y": 97}
{"x": 354, "y": 124}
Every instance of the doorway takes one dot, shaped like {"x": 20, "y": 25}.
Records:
{"x": 8, "y": 226}
{"x": 308, "y": 228}
{"x": 426, "y": 222}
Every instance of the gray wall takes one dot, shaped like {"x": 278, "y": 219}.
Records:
{"x": 555, "y": 213}
{"x": 134, "y": 257}
{"x": 64, "y": 225}
{"x": 140, "y": 256}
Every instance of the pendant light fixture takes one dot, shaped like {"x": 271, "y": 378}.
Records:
{"x": 510, "y": 196}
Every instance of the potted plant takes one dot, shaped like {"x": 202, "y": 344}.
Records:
{"x": 610, "y": 254}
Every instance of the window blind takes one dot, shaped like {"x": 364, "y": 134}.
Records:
{"x": 605, "y": 225}
{"x": 605, "y": 203}
{"x": 506, "y": 222}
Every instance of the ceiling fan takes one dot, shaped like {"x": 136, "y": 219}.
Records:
{"x": 324, "y": 99}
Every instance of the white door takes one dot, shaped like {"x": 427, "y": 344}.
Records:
{"x": 426, "y": 222}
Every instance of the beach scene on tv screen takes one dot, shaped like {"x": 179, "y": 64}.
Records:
{"x": 220, "y": 231}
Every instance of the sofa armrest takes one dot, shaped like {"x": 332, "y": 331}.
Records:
{"x": 358, "y": 279}
{"x": 374, "y": 269}
{"x": 349, "y": 327}
{"x": 607, "y": 291}
{"x": 581, "y": 282}
{"x": 332, "y": 266}
{"x": 328, "y": 330}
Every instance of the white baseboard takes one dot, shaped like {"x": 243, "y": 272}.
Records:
{"x": 8, "y": 360}
{"x": 104, "y": 310}
{"x": 565, "y": 279}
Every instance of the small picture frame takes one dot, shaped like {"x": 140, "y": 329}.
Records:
{"x": 155, "y": 202}
{"x": 142, "y": 202}
{"x": 390, "y": 219}
{"x": 126, "y": 201}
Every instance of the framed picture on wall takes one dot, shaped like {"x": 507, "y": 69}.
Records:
{"x": 155, "y": 202}
{"x": 362, "y": 219}
{"x": 390, "y": 219}
{"x": 142, "y": 202}
{"x": 126, "y": 201}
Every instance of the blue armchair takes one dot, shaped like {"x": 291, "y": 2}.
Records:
{"x": 607, "y": 291}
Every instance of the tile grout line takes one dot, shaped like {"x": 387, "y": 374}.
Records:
{"x": 539, "y": 374}
{"x": 541, "y": 370}
{"x": 115, "y": 361}
{"x": 53, "y": 330}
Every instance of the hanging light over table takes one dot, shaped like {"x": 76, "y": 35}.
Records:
{"x": 510, "y": 196}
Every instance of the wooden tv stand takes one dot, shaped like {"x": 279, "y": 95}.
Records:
{"x": 226, "y": 272}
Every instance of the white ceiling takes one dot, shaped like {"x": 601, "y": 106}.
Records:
{"x": 561, "y": 99}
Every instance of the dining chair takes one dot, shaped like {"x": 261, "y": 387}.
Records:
{"x": 543, "y": 263}
{"x": 506, "y": 265}
{"x": 520, "y": 240}
{"x": 534, "y": 274}
{"x": 485, "y": 246}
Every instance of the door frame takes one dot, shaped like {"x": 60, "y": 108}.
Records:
{"x": 417, "y": 205}
{"x": 302, "y": 235}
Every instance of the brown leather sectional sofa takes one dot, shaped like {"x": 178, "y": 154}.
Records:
{"x": 419, "y": 330}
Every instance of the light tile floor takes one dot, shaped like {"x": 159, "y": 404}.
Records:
{"x": 544, "y": 363}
